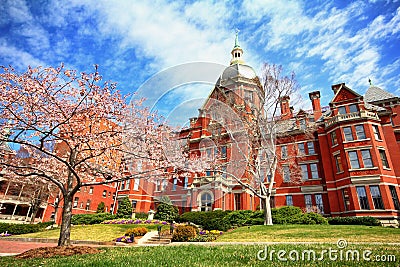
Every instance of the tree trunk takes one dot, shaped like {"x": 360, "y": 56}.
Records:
{"x": 65, "y": 231}
{"x": 267, "y": 211}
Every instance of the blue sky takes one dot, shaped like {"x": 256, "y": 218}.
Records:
{"x": 323, "y": 42}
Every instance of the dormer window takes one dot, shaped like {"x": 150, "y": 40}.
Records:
{"x": 342, "y": 110}
{"x": 353, "y": 108}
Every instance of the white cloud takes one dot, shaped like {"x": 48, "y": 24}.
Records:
{"x": 18, "y": 58}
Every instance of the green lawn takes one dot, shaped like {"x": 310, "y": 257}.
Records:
{"x": 96, "y": 232}
{"x": 312, "y": 233}
{"x": 230, "y": 255}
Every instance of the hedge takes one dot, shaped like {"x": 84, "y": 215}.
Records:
{"x": 19, "y": 229}
{"x": 368, "y": 221}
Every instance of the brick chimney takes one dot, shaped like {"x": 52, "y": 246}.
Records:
{"x": 286, "y": 112}
{"x": 336, "y": 87}
{"x": 316, "y": 104}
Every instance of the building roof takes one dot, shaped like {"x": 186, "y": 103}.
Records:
{"x": 375, "y": 94}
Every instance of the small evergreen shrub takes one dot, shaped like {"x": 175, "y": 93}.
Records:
{"x": 141, "y": 215}
{"x": 368, "y": 221}
{"x": 184, "y": 233}
{"x": 101, "y": 207}
{"x": 139, "y": 231}
{"x": 124, "y": 208}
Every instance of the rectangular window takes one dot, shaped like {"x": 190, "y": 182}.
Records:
{"x": 91, "y": 190}
{"x": 88, "y": 205}
{"x": 75, "y": 202}
{"x": 362, "y": 198}
{"x": 303, "y": 124}
{"x": 308, "y": 202}
{"x": 348, "y": 134}
{"x": 319, "y": 203}
{"x": 346, "y": 199}
{"x": 223, "y": 152}
{"x": 286, "y": 174}
{"x": 139, "y": 166}
{"x": 353, "y": 108}
{"x": 377, "y": 135}
{"x": 338, "y": 161}
{"x": 342, "y": 110}
{"x": 366, "y": 157}
{"x": 301, "y": 149}
{"x": 376, "y": 197}
{"x": 174, "y": 184}
{"x": 394, "y": 197}
{"x": 314, "y": 171}
{"x": 353, "y": 157}
{"x": 360, "y": 132}
{"x": 238, "y": 204}
{"x": 310, "y": 146}
{"x": 104, "y": 193}
{"x": 134, "y": 204}
{"x": 164, "y": 184}
{"x": 289, "y": 200}
{"x": 158, "y": 182}
{"x": 333, "y": 138}
{"x": 185, "y": 183}
{"x": 304, "y": 171}
{"x": 284, "y": 152}
{"x": 208, "y": 173}
{"x": 224, "y": 170}
{"x": 384, "y": 160}
{"x": 209, "y": 153}
{"x": 248, "y": 95}
{"x": 127, "y": 184}
{"x": 136, "y": 184}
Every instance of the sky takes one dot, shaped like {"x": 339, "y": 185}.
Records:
{"x": 152, "y": 47}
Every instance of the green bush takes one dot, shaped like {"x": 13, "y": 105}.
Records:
{"x": 124, "y": 208}
{"x": 19, "y": 229}
{"x": 101, "y": 207}
{"x": 369, "y": 221}
{"x": 166, "y": 212}
{"x": 92, "y": 218}
{"x": 239, "y": 217}
{"x": 286, "y": 215}
{"x": 202, "y": 217}
{"x": 138, "y": 231}
{"x": 315, "y": 218}
{"x": 184, "y": 233}
{"x": 141, "y": 215}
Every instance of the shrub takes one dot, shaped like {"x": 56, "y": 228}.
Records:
{"x": 316, "y": 218}
{"x": 141, "y": 215}
{"x": 202, "y": 217}
{"x": 217, "y": 224}
{"x": 139, "y": 231}
{"x": 184, "y": 233}
{"x": 19, "y": 229}
{"x": 92, "y": 218}
{"x": 166, "y": 212}
{"x": 368, "y": 221}
{"x": 101, "y": 207}
{"x": 239, "y": 217}
{"x": 124, "y": 208}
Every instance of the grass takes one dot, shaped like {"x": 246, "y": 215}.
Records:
{"x": 313, "y": 233}
{"x": 230, "y": 255}
{"x": 96, "y": 232}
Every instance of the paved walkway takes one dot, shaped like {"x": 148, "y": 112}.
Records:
{"x": 8, "y": 248}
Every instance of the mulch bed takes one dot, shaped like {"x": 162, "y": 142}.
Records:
{"x": 47, "y": 252}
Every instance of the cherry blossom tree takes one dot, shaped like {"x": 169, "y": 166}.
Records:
{"x": 77, "y": 130}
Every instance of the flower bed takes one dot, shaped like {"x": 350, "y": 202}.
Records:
{"x": 206, "y": 236}
{"x": 136, "y": 221}
{"x": 5, "y": 234}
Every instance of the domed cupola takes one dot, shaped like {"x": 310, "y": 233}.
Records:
{"x": 237, "y": 52}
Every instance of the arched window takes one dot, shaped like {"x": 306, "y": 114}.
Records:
{"x": 206, "y": 202}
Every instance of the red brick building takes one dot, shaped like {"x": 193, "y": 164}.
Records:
{"x": 346, "y": 154}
